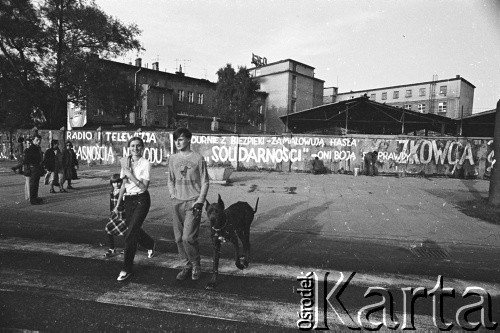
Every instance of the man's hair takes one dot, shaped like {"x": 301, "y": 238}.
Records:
{"x": 182, "y": 131}
{"x": 115, "y": 178}
{"x": 135, "y": 138}
{"x": 54, "y": 142}
{"x": 30, "y": 140}
{"x": 20, "y": 139}
{"x": 37, "y": 136}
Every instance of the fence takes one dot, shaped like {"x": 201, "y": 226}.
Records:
{"x": 396, "y": 154}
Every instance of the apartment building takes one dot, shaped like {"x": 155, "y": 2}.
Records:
{"x": 452, "y": 98}
{"x": 162, "y": 96}
{"x": 290, "y": 87}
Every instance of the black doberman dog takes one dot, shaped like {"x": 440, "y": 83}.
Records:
{"x": 229, "y": 225}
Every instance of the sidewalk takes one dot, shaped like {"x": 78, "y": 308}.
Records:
{"x": 406, "y": 210}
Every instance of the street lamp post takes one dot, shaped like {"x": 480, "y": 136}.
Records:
{"x": 133, "y": 114}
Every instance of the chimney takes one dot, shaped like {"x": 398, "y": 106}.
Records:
{"x": 179, "y": 72}
{"x": 138, "y": 62}
{"x": 457, "y": 76}
{"x": 155, "y": 66}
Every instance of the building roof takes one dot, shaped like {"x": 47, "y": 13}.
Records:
{"x": 281, "y": 61}
{"x": 478, "y": 124}
{"x": 458, "y": 77}
{"x": 171, "y": 76}
{"x": 366, "y": 117}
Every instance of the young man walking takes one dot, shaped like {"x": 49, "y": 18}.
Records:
{"x": 188, "y": 186}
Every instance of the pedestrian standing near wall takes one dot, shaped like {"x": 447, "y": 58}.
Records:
{"x": 135, "y": 173}
{"x": 28, "y": 143}
{"x": 19, "y": 154}
{"x": 73, "y": 165}
{"x": 188, "y": 186}
{"x": 33, "y": 163}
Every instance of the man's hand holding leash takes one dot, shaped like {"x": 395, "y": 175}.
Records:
{"x": 197, "y": 208}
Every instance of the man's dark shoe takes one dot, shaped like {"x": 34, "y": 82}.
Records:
{"x": 36, "y": 202}
{"x": 13, "y": 169}
{"x": 186, "y": 271}
{"x": 70, "y": 187}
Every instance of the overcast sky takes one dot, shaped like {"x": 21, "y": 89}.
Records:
{"x": 353, "y": 44}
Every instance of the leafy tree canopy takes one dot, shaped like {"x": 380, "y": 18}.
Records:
{"x": 50, "y": 45}
{"x": 236, "y": 95}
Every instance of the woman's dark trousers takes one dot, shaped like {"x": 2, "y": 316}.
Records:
{"x": 136, "y": 210}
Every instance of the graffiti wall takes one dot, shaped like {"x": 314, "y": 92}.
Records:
{"x": 412, "y": 155}
{"x": 107, "y": 147}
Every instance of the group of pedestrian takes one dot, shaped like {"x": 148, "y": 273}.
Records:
{"x": 61, "y": 166}
{"x": 188, "y": 184}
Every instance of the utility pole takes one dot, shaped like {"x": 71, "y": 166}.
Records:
{"x": 346, "y": 117}
{"x": 136, "y": 100}
{"x": 494, "y": 193}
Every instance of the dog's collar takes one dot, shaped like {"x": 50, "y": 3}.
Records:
{"x": 225, "y": 224}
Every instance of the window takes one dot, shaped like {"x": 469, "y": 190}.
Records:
{"x": 408, "y": 93}
{"x": 421, "y": 92}
{"x": 384, "y": 95}
{"x": 373, "y": 96}
{"x": 161, "y": 100}
{"x": 190, "y": 97}
{"x": 181, "y": 95}
{"x": 294, "y": 86}
{"x": 407, "y": 106}
{"x": 395, "y": 95}
{"x": 442, "y": 107}
{"x": 421, "y": 107}
{"x": 443, "y": 90}
{"x": 99, "y": 112}
{"x": 156, "y": 83}
{"x": 200, "y": 98}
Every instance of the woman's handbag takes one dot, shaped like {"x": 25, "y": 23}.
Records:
{"x": 116, "y": 225}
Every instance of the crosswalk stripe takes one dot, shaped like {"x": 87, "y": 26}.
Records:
{"x": 227, "y": 266}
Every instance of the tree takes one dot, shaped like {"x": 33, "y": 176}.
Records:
{"x": 49, "y": 46}
{"x": 22, "y": 45}
{"x": 236, "y": 95}
{"x": 109, "y": 89}
{"x": 78, "y": 28}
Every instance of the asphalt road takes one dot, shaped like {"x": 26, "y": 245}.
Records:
{"x": 53, "y": 276}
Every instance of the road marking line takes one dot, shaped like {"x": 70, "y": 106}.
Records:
{"x": 227, "y": 266}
